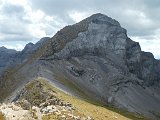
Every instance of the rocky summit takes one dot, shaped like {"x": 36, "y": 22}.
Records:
{"x": 93, "y": 58}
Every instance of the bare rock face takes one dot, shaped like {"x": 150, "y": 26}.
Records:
{"x": 142, "y": 64}
{"x": 114, "y": 68}
{"x": 104, "y": 35}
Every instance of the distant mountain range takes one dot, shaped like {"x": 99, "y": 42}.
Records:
{"x": 94, "y": 56}
{"x": 10, "y": 57}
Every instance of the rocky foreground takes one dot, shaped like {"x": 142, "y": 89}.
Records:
{"x": 36, "y": 101}
{"x": 40, "y": 101}
{"x": 13, "y": 111}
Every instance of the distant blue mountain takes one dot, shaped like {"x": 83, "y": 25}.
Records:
{"x": 11, "y": 57}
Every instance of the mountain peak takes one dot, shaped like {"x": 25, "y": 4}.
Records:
{"x": 96, "y": 35}
{"x": 94, "y": 56}
{"x": 30, "y": 44}
{"x": 2, "y": 47}
{"x": 103, "y": 19}
{"x": 10, "y": 51}
{"x": 28, "y": 47}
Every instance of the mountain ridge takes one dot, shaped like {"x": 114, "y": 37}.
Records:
{"x": 11, "y": 57}
{"x": 97, "y": 55}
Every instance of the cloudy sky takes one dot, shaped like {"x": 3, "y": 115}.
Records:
{"x": 23, "y": 21}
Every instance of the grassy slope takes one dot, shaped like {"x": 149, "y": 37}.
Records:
{"x": 88, "y": 99}
{"x": 89, "y": 108}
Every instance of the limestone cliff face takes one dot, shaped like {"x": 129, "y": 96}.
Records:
{"x": 142, "y": 64}
{"x": 98, "y": 57}
{"x": 100, "y": 35}
{"x": 97, "y": 34}
{"x": 103, "y": 36}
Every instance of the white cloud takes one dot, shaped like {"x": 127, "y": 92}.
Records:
{"x": 17, "y": 2}
{"x": 36, "y": 31}
{"x": 34, "y": 16}
{"x": 78, "y": 16}
{"x": 49, "y": 18}
{"x": 31, "y": 24}
{"x": 149, "y": 45}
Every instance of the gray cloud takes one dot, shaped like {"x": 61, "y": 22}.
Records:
{"x": 16, "y": 37}
{"x": 9, "y": 9}
{"x": 131, "y": 14}
{"x": 14, "y": 27}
